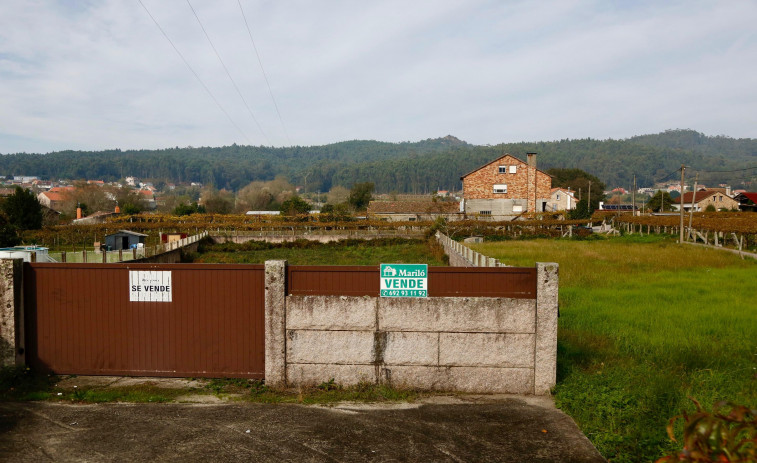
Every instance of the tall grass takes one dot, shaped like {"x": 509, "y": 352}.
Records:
{"x": 645, "y": 323}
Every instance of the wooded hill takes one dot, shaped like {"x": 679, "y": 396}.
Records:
{"x": 415, "y": 167}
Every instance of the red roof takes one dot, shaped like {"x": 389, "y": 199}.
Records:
{"x": 700, "y": 195}
{"x": 54, "y": 195}
{"x": 750, "y": 196}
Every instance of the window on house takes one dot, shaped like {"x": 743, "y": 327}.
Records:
{"x": 513, "y": 169}
{"x": 485, "y": 212}
{"x": 500, "y": 188}
{"x": 502, "y": 169}
{"x": 558, "y": 197}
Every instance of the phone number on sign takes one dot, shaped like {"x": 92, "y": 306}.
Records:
{"x": 403, "y": 293}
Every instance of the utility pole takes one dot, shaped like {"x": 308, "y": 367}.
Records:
{"x": 680, "y": 237}
{"x": 633, "y": 197}
{"x": 693, "y": 201}
{"x": 588, "y": 204}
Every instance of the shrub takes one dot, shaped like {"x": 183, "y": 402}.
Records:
{"x": 716, "y": 436}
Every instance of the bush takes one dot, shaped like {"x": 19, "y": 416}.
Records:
{"x": 294, "y": 206}
{"x": 716, "y": 436}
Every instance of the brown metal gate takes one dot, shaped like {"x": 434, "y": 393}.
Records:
{"x": 80, "y": 320}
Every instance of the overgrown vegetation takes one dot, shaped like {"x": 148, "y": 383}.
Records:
{"x": 728, "y": 433}
{"x": 644, "y": 324}
{"x": 343, "y": 252}
{"x": 22, "y": 384}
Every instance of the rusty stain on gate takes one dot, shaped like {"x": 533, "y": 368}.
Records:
{"x": 79, "y": 320}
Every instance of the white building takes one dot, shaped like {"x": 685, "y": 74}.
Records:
{"x": 561, "y": 199}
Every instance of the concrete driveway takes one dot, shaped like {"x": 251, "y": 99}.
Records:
{"x": 444, "y": 429}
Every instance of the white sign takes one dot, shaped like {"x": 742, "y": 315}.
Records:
{"x": 404, "y": 280}
{"x": 149, "y": 286}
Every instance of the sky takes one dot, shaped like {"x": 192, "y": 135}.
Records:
{"x": 93, "y": 75}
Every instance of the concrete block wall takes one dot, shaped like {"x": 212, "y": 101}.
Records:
{"x": 463, "y": 256}
{"x": 481, "y": 345}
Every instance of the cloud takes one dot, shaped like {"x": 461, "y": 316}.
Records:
{"x": 99, "y": 75}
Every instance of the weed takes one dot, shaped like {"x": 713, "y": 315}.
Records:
{"x": 709, "y": 437}
{"x": 645, "y": 323}
{"x": 23, "y": 383}
{"x": 329, "y": 385}
{"x": 346, "y": 252}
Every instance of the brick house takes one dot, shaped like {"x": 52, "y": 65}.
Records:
{"x": 705, "y": 198}
{"x": 506, "y": 187}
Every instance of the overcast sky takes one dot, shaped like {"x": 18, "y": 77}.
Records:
{"x": 100, "y": 74}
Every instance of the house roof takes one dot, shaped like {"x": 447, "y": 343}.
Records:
{"x": 128, "y": 232}
{"x": 700, "y": 196}
{"x": 53, "y": 195}
{"x": 413, "y": 207}
{"x": 566, "y": 190}
{"x": 750, "y": 196}
{"x": 499, "y": 159}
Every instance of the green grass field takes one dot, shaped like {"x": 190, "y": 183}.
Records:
{"x": 644, "y": 324}
{"x": 345, "y": 252}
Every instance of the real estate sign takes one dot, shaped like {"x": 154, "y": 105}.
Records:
{"x": 404, "y": 280}
{"x": 150, "y": 286}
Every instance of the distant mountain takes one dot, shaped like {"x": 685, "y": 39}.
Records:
{"x": 739, "y": 149}
{"x": 417, "y": 167}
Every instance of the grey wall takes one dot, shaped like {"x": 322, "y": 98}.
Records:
{"x": 457, "y": 344}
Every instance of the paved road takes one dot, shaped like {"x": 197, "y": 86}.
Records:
{"x": 507, "y": 430}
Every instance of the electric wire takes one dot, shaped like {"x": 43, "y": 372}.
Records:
{"x": 194, "y": 73}
{"x": 720, "y": 171}
{"x": 228, "y": 73}
{"x": 662, "y": 179}
{"x": 265, "y": 76}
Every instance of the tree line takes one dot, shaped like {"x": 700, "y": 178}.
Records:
{"x": 419, "y": 167}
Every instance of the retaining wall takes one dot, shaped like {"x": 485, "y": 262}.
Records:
{"x": 321, "y": 236}
{"x": 465, "y": 344}
{"x": 171, "y": 253}
{"x": 463, "y": 256}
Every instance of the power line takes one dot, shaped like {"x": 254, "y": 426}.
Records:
{"x": 265, "y": 76}
{"x": 227, "y": 72}
{"x": 720, "y": 171}
{"x": 193, "y": 72}
{"x": 668, "y": 176}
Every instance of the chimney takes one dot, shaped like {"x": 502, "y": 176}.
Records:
{"x": 78, "y": 213}
{"x": 728, "y": 191}
{"x": 531, "y": 160}
{"x": 118, "y": 209}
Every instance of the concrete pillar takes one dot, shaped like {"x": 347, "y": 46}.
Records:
{"x": 12, "y": 349}
{"x": 275, "y": 323}
{"x": 545, "y": 352}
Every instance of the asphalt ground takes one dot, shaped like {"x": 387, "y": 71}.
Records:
{"x": 440, "y": 429}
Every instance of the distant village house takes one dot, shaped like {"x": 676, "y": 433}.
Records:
{"x": 506, "y": 187}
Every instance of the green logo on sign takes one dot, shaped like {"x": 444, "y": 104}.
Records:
{"x": 404, "y": 280}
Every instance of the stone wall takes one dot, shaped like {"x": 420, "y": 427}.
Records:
{"x": 471, "y": 344}
{"x": 11, "y": 312}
